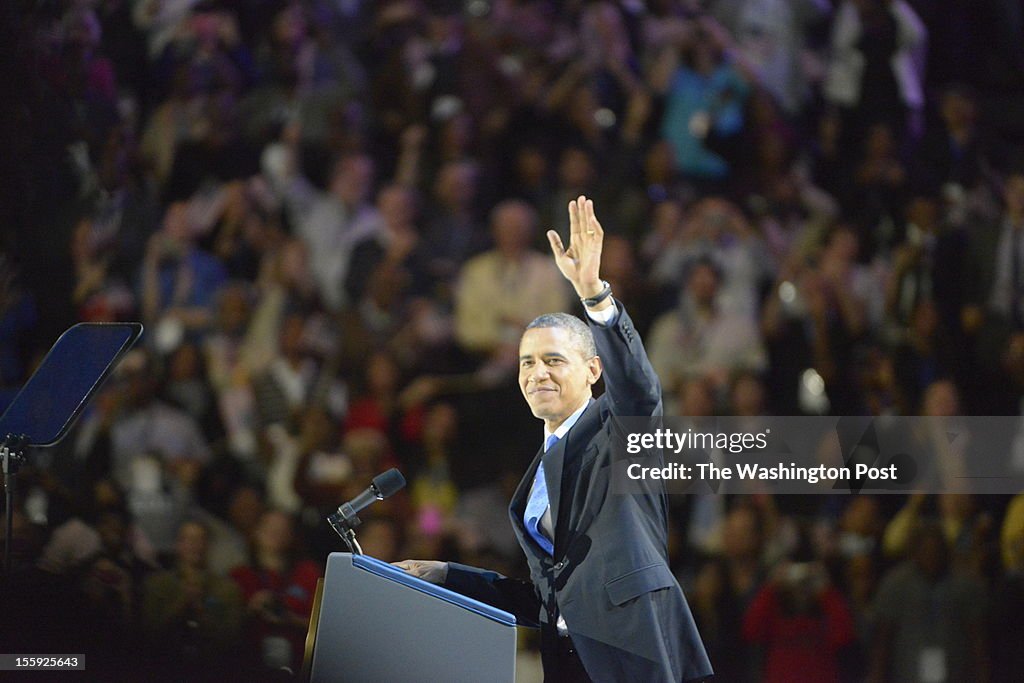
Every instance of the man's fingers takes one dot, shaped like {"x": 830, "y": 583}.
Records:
{"x": 413, "y": 567}
{"x": 556, "y": 243}
{"x": 575, "y": 219}
{"x": 592, "y": 222}
{"x": 428, "y": 570}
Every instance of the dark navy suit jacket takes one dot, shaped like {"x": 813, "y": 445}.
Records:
{"x": 609, "y": 576}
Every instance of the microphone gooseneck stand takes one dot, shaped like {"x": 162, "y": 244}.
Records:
{"x": 349, "y": 536}
{"x": 345, "y": 521}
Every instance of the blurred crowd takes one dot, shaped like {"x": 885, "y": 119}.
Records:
{"x": 329, "y": 215}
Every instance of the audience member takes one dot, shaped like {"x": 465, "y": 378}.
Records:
{"x": 929, "y": 620}
{"x": 277, "y": 590}
{"x": 191, "y": 618}
{"x": 501, "y": 290}
{"x": 699, "y": 338}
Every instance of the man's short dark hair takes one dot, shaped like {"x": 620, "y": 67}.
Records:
{"x": 580, "y": 334}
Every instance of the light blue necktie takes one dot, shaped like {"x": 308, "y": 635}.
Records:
{"x": 538, "y": 503}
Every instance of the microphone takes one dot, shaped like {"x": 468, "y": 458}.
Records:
{"x": 384, "y": 486}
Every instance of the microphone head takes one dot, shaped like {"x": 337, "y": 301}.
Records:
{"x": 388, "y": 483}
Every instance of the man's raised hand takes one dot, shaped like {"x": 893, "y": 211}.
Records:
{"x": 581, "y": 262}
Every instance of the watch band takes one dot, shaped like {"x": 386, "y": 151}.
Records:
{"x": 600, "y": 296}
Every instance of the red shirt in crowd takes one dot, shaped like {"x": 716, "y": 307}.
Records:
{"x": 294, "y": 591}
{"x": 799, "y": 647}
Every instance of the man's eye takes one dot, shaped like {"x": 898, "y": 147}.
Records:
{"x": 555, "y": 361}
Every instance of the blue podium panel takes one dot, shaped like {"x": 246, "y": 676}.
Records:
{"x": 379, "y": 624}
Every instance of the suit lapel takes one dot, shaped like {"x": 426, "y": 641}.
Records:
{"x": 517, "y": 506}
{"x": 554, "y": 461}
{"x": 562, "y": 461}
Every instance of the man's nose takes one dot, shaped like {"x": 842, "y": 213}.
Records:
{"x": 539, "y": 372}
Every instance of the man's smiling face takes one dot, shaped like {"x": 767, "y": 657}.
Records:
{"x": 554, "y": 375}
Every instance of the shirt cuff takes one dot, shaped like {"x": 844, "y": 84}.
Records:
{"x": 605, "y": 316}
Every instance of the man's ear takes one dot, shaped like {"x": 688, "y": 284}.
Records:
{"x": 595, "y": 367}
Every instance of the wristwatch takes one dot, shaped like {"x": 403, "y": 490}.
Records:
{"x": 605, "y": 292}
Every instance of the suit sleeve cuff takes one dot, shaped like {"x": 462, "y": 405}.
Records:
{"x": 605, "y": 316}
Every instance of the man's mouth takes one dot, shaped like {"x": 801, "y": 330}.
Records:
{"x": 541, "y": 390}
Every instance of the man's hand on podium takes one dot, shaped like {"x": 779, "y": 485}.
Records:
{"x": 431, "y": 571}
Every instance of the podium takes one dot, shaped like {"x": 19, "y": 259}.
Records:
{"x": 377, "y": 623}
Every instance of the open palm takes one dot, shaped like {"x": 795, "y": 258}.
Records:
{"x": 581, "y": 262}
